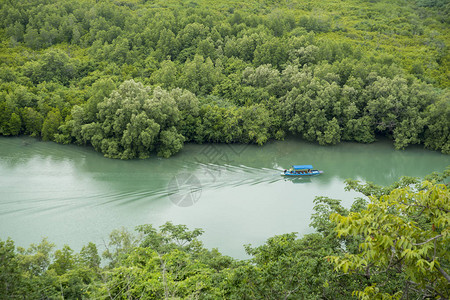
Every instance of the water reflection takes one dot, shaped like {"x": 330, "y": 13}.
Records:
{"x": 298, "y": 180}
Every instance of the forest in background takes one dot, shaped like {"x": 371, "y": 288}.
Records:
{"x": 392, "y": 244}
{"x": 135, "y": 78}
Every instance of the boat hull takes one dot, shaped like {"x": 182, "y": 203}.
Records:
{"x": 292, "y": 174}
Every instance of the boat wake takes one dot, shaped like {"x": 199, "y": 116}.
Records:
{"x": 218, "y": 176}
{"x": 47, "y": 199}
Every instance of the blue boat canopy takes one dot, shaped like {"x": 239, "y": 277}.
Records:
{"x": 302, "y": 167}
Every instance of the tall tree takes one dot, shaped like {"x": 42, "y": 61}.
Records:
{"x": 404, "y": 233}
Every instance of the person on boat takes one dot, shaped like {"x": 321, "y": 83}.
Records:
{"x": 285, "y": 171}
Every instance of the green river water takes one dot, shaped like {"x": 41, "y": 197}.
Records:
{"x": 73, "y": 195}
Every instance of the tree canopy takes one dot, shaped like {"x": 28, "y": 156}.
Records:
{"x": 325, "y": 71}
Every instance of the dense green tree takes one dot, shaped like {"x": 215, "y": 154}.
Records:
{"x": 437, "y": 133}
{"x": 51, "y": 125}
{"x": 63, "y": 260}
{"x": 167, "y": 45}
{"x": 21, "y": 97}
{"x": 121, "y": 243}
{"x": 166, "y": 75}
{"x": 360, "y": 130}
{"x": 15, "y": 124}
{"x": 326, "y": 75}
{"x": 89, "y": 256}
{"x": 10, "y": 271}
{"x": 272, "y": 52}
{"x": 5, "y": 115}
{"x": 189, "y": 107}
{"x": 131, "y": 122}
{"x": 32, "y": 38}
{"x": 283, "y": 268}
{"x": 170, "y": 237}
{"x": 200, "y": 75}
{"x": 37, "y": 258}
{"x": 33, "y": 121}
{"x": 54, "y": 65}
{"x": 403, "y": 233}
{"x": 170, "y": 142}
{"x": 101, "y": 89}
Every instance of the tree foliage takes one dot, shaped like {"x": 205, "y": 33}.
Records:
{"x": 404, "y": 233}
{"x": 324, "y": 71}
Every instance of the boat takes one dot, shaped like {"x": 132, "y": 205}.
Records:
{"x": 301, "y": 170}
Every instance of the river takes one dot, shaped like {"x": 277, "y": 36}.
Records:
{"x": 73, "y": 195}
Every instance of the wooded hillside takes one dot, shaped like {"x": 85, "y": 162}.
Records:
{"x": 224, "y": 71}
